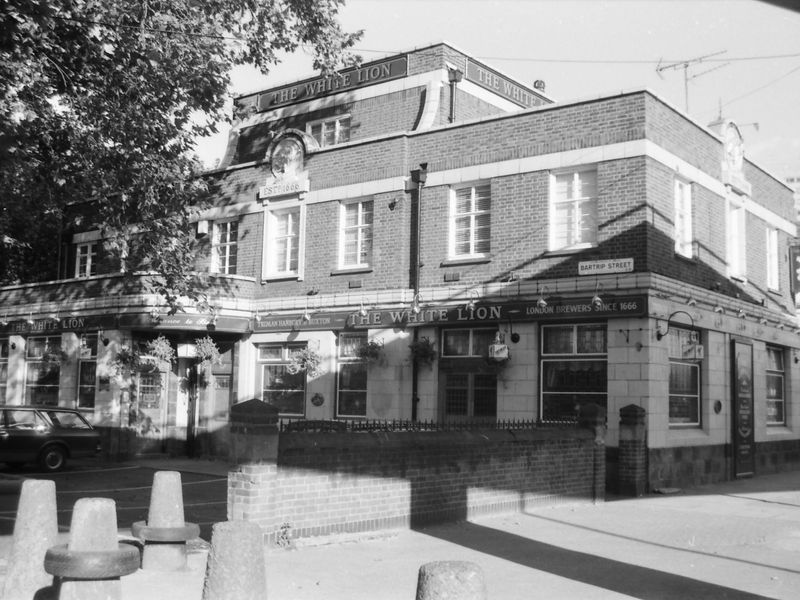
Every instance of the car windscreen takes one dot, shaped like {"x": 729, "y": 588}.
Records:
{"x": 67, "y": 420}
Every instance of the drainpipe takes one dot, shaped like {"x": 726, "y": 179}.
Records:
{"x": 453, "y": 76}
{"x": 418, "y": 177}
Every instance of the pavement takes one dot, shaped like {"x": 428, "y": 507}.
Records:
{"x": 736, "y": 540}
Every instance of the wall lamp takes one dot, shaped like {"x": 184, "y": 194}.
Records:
{"x": 691, "y": 301}
{"x": 30, "y": 320}
{"x": 415, "y": 307}
{"x": 362, "y": 310}
{"x": 542, "y": 302}
{"x": 472, "y": 302}
{"x": 597, "y": 301}
{"x": 306, "y": 314}
{"x": 660, "y": 334}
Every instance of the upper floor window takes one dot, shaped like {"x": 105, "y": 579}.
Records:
{"x": 683, "y": 219}
{"x": 737, "y": 237}
{"x": 573, "y": 210}
{"x": 355, "y": 238}
{"x": 776, "y": 414}
{"x": 86, "y": 260}
{"x": 330, "y": 131}
{"x": 470, "y": 221}
{"x": 284, "y": 244}
{"x": 684, "y": 377}
{"x": 224, "y": 247}
{"x": 773, "y": 277}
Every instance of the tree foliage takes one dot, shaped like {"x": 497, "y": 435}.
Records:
{"x": 101, "y": 102}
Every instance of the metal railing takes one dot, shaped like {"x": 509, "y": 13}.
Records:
{"x": 395, "y": 425}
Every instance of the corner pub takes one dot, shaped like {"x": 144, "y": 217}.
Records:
{"x": 425, "y": 238}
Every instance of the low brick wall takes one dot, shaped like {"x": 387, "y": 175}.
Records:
{"x": 358, "y": 482}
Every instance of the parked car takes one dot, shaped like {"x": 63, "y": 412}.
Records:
{"x": 46, "y": 435}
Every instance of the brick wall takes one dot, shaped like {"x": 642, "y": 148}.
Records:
{"x": 354, "y": 482}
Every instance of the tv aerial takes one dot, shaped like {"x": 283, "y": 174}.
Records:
{"x": 685, "y": 64}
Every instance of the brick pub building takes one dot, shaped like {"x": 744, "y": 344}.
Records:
{"x": 535, "y": 255}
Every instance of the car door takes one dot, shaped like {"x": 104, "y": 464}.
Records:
{"x": 25, "y": 433}
{"x": 75, "y": 431}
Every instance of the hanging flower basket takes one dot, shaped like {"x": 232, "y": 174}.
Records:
{"x": 307, "y": 360}
{"x": 161, "y": 349}
{"x": 207, "y": 352}
{"x": 423, "y": 351}
{"x": 370, "y": 352}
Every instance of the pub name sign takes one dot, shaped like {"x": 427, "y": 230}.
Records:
{"x": 454, "y": 315}
{"x": 348, "y": 79}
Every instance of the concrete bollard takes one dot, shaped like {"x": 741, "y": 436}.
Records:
{"x": 236, "y": 568}
{"x": 90, "y": 565}
{"x": 35, "y": 530}
{"x": 165, "y": 533}
{"x": 451, "y": 580}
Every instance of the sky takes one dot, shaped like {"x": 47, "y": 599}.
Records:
{"x": 742, "y": 57}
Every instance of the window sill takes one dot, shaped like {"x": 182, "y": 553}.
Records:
{"x": 740, "y": 278}
{"x": 472, "y": 260}
{"x": 227, "y": 276}
{"x": 567, "y": 251}
{"x": 274, "y": 278}
{"x": 351, "y": 270}
{"x": 687, "y": 259}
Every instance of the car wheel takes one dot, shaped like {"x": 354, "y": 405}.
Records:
{"x": 53, "y": 458}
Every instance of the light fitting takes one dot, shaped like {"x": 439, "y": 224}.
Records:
{"x": 472, "y": 302}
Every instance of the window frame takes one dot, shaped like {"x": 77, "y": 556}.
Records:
{"x": 350, "y": 360}
{"x": 696, "y": 365}
{"x": 360, "y": 228}
{"x": 30, "y": 361}
{"x": 229, "y": 250}
{"x": 337, "y": 127}
{"x": 5, "y": 352}
{"x": 555, "y": 202}
{"x": 573, "y": 355}
{"x": 86, "y": 263}
{"x": 272, "y": 211}
{"x": 285, "y": 349}
{"x": 683, "y": 225}
{"x": 736, "y": 239}
{"x": 473, "y": 215}
{"x": 781, "y": 375}
{"x": 773, "y": 259}
{"x": 87, "y": 357}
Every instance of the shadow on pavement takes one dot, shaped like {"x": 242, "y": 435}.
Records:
{"x": 616, "y": 576}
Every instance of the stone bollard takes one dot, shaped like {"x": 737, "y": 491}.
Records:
{"x": 90, "y": 565}
{"x": 35, "y": 530}
{"x": 451, "y": 580}
{"x": 236, "y": 568}
{"x": 165, "y": 533}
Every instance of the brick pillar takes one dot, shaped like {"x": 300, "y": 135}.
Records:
{"x": 632, "y": 451}
{"x": 254, "y": 447}
{"x": 593, "y": 417}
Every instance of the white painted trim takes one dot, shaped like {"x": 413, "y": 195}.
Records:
{"x": 543, "y": 162}
{"x": 86, "y": 236}
{"x": 433, "y": 98}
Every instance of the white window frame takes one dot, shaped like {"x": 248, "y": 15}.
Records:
{"x": 270, "y": 268}
{"x": 336, "y": 122}
{"x": 364, "y": 233}
{"x": 221, "y": 251}
{"x": 473, "y": 215}
{"x": 86, "y": 251}
{"x": 684, "y": 242}
{"x": 280, "y": 355}
{"x": 736, "y": 240}
{"x": 555, "y": 201}
{"x": 773, "y": 260}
